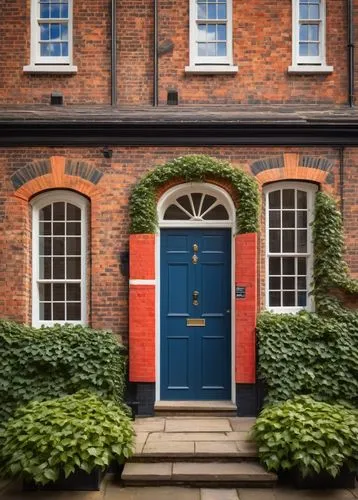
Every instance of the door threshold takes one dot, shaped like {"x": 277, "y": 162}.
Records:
{"x": 189, "y": 408}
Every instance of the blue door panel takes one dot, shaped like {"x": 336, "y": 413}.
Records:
{"x": 195, "y": 360}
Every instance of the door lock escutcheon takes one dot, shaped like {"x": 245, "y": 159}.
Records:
{"x": 195, "y": 298}
{"x": 195, "y": 258}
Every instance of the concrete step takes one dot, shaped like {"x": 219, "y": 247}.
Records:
{"x": 198, "y": 474}
{"x": 195, "y": 408}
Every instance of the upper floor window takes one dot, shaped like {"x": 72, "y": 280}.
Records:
{"x": 59, "y": 258}
{"x": 309, "y": 36}
{"x": 211, "y": 36}
{"x": 289, "y": 250}
{"x": 51, "y": 36}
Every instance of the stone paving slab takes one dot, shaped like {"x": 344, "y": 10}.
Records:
{"x": 168, "y": 448}
{"x": 150, "y": 424}
{"x": 256, "y": 494}
{"x": 218, "y": 494}
{"x": 140, "y": 440}
{"x": 291, "y": 494}
{"x": 220, "y": 471}
{"x": 247, "y": 447}
{"x": 218, "y": 448}
{"x": 147, "y": 471}
{"x": 191, "y": 436}
{"x": 242, "y": 423}
{"x": 198, "y": 425}
{"x": 151, "y": 493}
{"x": 238, "y": 436}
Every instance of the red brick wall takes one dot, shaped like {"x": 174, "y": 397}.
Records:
{"x": 262, "y": 50}
{"x": 246, "y": 308}
{"x": 108, "y": 301}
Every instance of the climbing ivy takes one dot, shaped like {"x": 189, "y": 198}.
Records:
{"x": 193, "y": 168}
{"x": 330, "y": 270}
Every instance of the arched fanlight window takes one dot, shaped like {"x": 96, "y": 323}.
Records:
{"x": 196, "y": 203}
{"x": 59, "y": 258}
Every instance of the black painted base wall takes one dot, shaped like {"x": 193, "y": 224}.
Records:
{"x": 249, "y": 398}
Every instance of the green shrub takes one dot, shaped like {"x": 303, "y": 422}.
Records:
{"x": 309, "y": 354}
{"x": 78, "y": 431}
{"x": 309, "y": 435}
{"x": 40, "y": 364}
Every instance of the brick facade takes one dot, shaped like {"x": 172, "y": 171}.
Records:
{"x": 262, "y": 33}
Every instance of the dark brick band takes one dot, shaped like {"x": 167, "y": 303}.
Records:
{"x": 29, "y": 172}
{"x": 315, "y": 162}
{"x": 266, "y": 164}
{"x": 83, "y": 170}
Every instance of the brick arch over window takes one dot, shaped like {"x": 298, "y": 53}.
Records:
{"x": 56, "y": 172}
{"x": 293, "y": 166}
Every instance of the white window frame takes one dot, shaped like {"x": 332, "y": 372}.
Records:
{"x": 311, "y": 190}
{"x": 308, "y": 64}
{"x": 37, "y": 204}
{"x": 199, "y": 64}
{"x": 42, "y": 64}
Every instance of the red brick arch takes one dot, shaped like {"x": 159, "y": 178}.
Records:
{"x": 57, "y": 178}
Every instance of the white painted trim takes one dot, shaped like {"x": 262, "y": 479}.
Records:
{"x": 142, "y": 282}
{"x": 306, "y": 64}
{"x": 50, "y": 68}
{"x": 311, "y": 190}
{"x": 211, "y": 69}
{"x": 175, "y": 192}
{"x": 35, "y": 56}
{"x": 309, "y": 69}
{"x": 163, "y": 203}
{"x": 194, "y": 59}
{"x": 37, "y": 203}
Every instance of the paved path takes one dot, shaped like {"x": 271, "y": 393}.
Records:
{"x": 112, "y": 491}
{"x": 199, "y": 436}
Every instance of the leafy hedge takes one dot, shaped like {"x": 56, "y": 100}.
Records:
{"x": 40, "y": 364}
{"x": 193, "y": 168}
{"x": 309, "y": 354}
{"x": 309, "y": 435}
{"x": 77, "y": 431}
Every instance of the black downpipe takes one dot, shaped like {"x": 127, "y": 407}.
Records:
{"x": 155, "y": 55}
{"x": 341, "y": 179}
{"x": 114, "y": 53}
{"x": 350, "y": 54}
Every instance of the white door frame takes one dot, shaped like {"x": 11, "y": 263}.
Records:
{"x": 165, "y": 200}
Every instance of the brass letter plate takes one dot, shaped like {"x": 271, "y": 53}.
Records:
{"x": 195, "y": 322}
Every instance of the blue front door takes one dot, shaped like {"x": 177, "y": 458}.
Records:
{"x": 195, "y": 345}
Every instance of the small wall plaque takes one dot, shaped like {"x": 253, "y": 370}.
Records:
{"x": 240, "y": 292}
{"x": 195, "y": 322}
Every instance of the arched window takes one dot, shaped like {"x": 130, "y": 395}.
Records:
{"x": 196, "y": 203}
{"x": 59, "y": 243}
{"x": 289, "y": 250}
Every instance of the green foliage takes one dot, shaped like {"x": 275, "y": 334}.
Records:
{"x": 310, "y": 435}
{"x": 40, "y": 364}
{"x": 330, "y": 269}
{"x": 309, "y": 354}
{"x": 77, "y": 431}
{"x": 193, "y": 168}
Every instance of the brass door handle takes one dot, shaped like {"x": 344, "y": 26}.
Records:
{"x": 195, "y": 298}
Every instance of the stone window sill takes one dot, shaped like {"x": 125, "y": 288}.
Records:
{"x": 211, "y": 69}
{"x": 310, "y": 69}
{"x": 50, "y": 68}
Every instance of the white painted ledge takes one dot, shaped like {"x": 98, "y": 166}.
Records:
{"x": 50, "y": 68}
{"x": 211, "y": 69}
{"x": 310, "y": 69}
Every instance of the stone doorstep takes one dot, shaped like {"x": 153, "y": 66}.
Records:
{"x": 196, "y": 408}
{"x": 192, "y": 436}
{"x": 213, "y": 473}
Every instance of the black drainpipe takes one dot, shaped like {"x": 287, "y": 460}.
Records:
{"x": 350, "y": 54}
{"x": 341, "y": 179}
{"x": 114, "y": 53}
{"x": 155, "y": 55}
